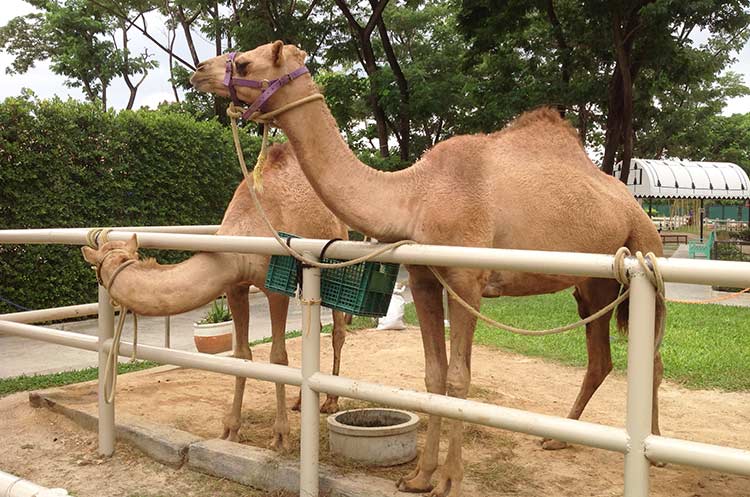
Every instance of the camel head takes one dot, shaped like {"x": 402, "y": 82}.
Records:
{"x": 113, "y": 253}
{"x": 250, "y": 73}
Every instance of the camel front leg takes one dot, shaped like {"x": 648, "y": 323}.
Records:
{"x": 468, "y": 285}
{"x": 278, "y": 305}
{"x": 427, "y": 294}
{"x": 237, "y": 296}
{"x": 338, "y": 336}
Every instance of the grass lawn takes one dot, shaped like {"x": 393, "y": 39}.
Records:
{"x": 705, "y": 346}
{"x": 38, "y": 382}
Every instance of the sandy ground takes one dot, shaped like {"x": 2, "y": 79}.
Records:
{"x": 49, "y": 449}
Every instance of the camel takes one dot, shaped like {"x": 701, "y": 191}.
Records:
{"x": 151, "y": 289}
{"x": 528, "y": 186}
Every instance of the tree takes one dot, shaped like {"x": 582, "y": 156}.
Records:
{"x": 81, "y": 42}
{"x": 615, "y": 42}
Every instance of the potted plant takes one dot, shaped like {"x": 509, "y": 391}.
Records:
{"x": 213, "y": 333}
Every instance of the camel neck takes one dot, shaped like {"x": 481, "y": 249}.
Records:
{"x": 151, "y": 289}
{"x": 376, "y": 203}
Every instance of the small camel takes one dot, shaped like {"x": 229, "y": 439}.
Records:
{"x": 151, "y": 289}
{"x": 528, "y": 186}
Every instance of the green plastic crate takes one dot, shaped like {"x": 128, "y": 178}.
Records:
{"x": 363, "y": 289}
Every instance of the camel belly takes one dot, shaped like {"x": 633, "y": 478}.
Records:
{"x": 516, "y": 284}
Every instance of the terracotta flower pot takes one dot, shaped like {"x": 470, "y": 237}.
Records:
{"x": 213, "y": 338}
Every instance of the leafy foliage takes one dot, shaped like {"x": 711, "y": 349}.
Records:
{"x": 70, "y": 164}
{"x": 217, "y": 313}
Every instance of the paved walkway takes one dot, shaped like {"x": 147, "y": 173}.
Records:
{"x": 23, "y": 356}
{"x": 685, "y": 291}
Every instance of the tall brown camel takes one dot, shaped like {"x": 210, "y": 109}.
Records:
{"x": 152, "y": 289}
{"x": 529, "y": 186}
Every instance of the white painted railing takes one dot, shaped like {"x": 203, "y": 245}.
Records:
{"x": 635, "y": 440}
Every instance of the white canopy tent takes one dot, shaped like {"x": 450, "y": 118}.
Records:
{"x": 686, "y": 179}
{"x": 681, "y": 179}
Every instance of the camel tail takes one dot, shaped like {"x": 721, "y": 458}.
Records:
{"x": 646, "y": 242}
{"x": 660, "y": 322}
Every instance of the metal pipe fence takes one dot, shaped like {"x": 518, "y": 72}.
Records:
{"x": 635, "y": 440}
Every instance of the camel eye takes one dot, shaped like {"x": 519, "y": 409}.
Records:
{"x": 242, "y": 67}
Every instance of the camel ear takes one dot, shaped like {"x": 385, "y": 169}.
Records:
{"x": 300, "y": 55}
{"x": 277, "y": 52}
{"x": 90, "y": 255}
{"x": 132, "y": 244}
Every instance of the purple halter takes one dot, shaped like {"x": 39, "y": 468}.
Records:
{"x": 268, "y": 87}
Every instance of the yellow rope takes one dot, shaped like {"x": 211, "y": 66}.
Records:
{"x": 94, "y": 238}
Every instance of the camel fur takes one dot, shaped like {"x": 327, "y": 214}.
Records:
{"x": 151, "y": 289}
{"x": 528, "y": 186}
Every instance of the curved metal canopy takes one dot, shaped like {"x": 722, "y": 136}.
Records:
{"x": 686, "y": 179}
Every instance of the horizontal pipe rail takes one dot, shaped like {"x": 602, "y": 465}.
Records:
{"x": 701, "y": 455}
{"x": 217, "y": 364}
{"x": 52, "y": 314}
{"x": 569, "y": 430}
{"x": 729, "y": 273}
{"x": 14, "y": 486}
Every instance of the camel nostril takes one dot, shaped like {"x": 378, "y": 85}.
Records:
{"x": 201, "y": 65}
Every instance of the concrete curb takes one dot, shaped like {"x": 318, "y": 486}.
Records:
{"x": 161, "y": 443}
{"x": 266, "y": 470}
{"x": 258, "y": 468}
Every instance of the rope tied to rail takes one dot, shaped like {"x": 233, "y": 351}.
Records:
{"x": 95, "y": 238}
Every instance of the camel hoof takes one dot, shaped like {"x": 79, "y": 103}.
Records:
{"x": 330, "y": 406}
{"x": 230, "y": 435}
{"x": 549, "y": 444}
{"x": 415, "y": 484}
{"x": 280, "y": 444}
{"x": 447, "y": 487}
{"x": 297, "y": 406}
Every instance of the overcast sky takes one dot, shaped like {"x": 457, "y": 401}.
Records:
{"x": 156, "y": 89}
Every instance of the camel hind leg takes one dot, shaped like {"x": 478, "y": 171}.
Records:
{"x": 592, "y": 295}
{"x": 240, "y": 307}
{"x": 338, "y": 336}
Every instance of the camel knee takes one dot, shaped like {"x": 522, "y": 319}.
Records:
{"x": 242, "y": 351}
{"x": 457, "y": 384}
{"x": 434, "y": 383}
{"x": 279, "y": 356}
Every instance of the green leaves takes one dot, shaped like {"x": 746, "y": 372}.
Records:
{"x": 70, "y": 164}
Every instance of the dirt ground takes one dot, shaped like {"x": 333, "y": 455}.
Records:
{"x": 50, "y": 450}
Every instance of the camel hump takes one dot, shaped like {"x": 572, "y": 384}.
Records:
{"x": 540, "y": 117}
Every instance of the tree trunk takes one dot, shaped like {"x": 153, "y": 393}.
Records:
{"x": 404, "y": 117}
{"x": 613, "y": 132}
{"x": 366, "y": 54}
{"x": 623, "y": 49}
{"x": 565, "y": 53}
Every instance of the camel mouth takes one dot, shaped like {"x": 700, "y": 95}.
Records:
{"x": 199, "y": 81}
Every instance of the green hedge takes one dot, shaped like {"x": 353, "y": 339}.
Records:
{"x": 69, "y": 164}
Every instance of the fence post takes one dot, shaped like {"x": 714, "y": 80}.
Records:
{"x": 640, "y": 383}
{"x": 168, "y": 330}
{"x": 106, "y": 411}
{"x": 310, "y": 415}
